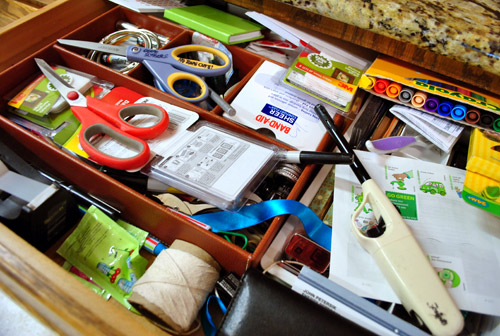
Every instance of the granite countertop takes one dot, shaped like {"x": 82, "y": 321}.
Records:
{"x": 468, "y": 31}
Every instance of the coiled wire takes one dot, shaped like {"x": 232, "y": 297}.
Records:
{"x": 144, "y": 37}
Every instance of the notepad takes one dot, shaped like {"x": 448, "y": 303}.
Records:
{"x": 220, "y": 25}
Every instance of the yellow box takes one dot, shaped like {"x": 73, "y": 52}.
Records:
{"x": 482, "y": 192}
{"x": 482, "y": 180}
{"x": 484, "y": 155}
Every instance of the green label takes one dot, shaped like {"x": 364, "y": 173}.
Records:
{"x": 406, "y": 203}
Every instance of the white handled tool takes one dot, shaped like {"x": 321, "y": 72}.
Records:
{"x": 397, "y": 253}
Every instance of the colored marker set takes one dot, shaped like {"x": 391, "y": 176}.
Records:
{"x": 431, "y": 103}
{"x": 403, "y": 83}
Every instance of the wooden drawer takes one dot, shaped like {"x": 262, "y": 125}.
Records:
{"x": 36, "y": 278}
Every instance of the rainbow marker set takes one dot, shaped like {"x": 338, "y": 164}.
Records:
{"x": 401, "y": 82}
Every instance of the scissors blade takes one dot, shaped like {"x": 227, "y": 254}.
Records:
{"x": 69, "y": 93}
{"x": 107, "y": 48}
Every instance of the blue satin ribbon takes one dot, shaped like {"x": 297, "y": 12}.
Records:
{"x": 260, "y": 212}
{"x": 209, "y": 328}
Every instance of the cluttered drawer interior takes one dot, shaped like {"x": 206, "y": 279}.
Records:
{"x": 47, "y": 141}
{"x": 123, "y": 27}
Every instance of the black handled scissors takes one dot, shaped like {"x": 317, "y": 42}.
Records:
{"x": 167, "y": 65}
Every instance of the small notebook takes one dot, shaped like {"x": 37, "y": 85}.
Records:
{"x": 215, "y": 23}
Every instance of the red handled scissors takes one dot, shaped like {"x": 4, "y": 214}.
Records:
{"x": 97, "y": 118}
{"x": 167, "y": 65}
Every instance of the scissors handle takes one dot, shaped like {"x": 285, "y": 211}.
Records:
{"x": 168, "y": 67}
{"x": 92, "y": 125}
{"x": 167, "y": 76}
{"x": 118, "y": 115}
{"x": 173, "y": 57}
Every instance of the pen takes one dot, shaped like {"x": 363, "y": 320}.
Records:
{"x": 397, "y": 253}
{"x": 307, "y": 157}
{"x": 138, "y": 181}
{"x": 344, "y": 147}
{"x": 88, "y": 199}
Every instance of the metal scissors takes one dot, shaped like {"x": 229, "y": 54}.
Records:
{"x": 97, "y": 118}
{"x": 166, "y": 65}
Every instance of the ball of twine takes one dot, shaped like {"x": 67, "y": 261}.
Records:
{"x": 174, "y": 288}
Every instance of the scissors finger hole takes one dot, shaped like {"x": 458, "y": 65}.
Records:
{"x": 111, "y": 143}
{"x": 187, "y": 88}
{"x": 142, "y": 115}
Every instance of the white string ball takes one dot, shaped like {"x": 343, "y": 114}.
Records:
{"x": 175, "y": 286}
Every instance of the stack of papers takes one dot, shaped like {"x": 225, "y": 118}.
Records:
{"x": 462, "y": 241}
{"x": 443, "y": 133}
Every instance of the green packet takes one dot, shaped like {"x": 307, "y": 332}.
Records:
{"x": 107, "y": 253}
{"x": 87, "y": 281}
{"x": 40, "y": 97}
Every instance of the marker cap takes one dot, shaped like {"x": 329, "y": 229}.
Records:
{"x": 406, "y": 95}
{"x": 393, "y": 90}
{"x": 445, "y": 108}
{"x": 431, "y": 104}
{"x": 381, "y": 85}
{"x": 458, "y": 112}
{"x": 419, "y": 99}
{"x": 472, "y": 116}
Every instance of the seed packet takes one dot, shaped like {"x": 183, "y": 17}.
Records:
{"x": 106, "y": 253}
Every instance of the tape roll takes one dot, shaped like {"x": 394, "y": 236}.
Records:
{"x": 174, "y": 288}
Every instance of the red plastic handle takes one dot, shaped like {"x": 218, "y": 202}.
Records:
{"x": 118, "y": 116}
{"x": 93, "y": 125}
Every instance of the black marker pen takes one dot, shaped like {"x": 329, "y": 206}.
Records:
{"x": 310, "y": 157}
{"x": 342, "y": 143}
{"x": 84, "y": 197}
